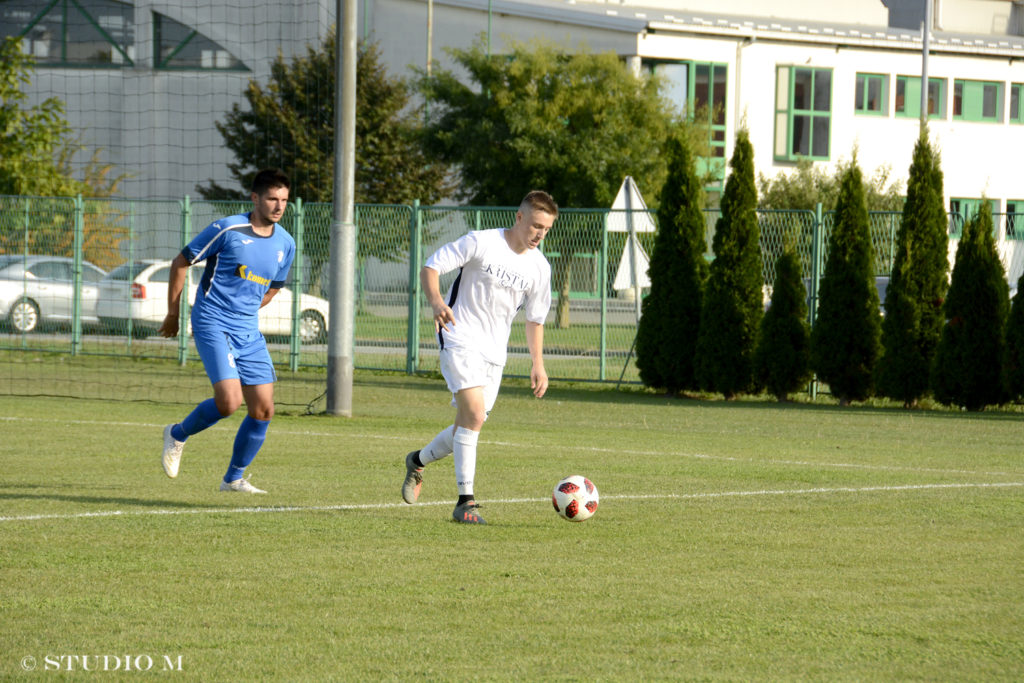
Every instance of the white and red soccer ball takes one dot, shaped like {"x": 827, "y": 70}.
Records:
{"x": 575, "y": 498}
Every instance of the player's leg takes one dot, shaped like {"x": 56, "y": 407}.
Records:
{"x": 218, "y": 360}
{"x": 257, "y": 390}
{"x": 473, "y": 405}
{"x": 469, "y": 419}
{"x": 439, "y": 447}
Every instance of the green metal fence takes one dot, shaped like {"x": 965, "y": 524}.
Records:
{"x": 589, "y": 335}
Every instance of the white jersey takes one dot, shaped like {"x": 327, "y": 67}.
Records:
{"x": 493, "y": 284}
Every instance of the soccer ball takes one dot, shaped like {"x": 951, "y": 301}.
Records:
{"x": 575, "y": 498}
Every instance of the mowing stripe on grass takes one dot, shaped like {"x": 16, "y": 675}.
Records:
{"x": 384, "y": 506}
{"x": 569, "y": 446}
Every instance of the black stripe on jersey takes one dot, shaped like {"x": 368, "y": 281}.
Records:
{"x": 451, "y": 302}
{"x": 207, "y": 279}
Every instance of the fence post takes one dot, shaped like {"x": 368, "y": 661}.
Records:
{"x": 76, "y": 277}
{"x": 294, "y": 343}
{"x": 816, "y": 255}
{"x": 412, "y": 354}
{"x": 186, "y": 229}
{"x": 603, "y": 284}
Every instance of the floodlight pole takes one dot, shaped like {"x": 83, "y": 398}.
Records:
{"x": 340, "y": 341}
{"x": 926, "y": 30}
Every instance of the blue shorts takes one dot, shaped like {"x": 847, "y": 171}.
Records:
{"x": 231, "y": 355}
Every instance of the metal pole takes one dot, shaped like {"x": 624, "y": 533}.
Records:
{"x": 340, "y": 342}
{"x": 634, "y": 249}
{"x": 926, "y": 30}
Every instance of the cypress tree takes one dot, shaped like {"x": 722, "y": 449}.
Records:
{"x": 667, "y": 337}
{"x": 917, "y": 287}
{"x": 845, "y": 339}
{"x": 731, "y": 311}
{"x": 782, "y": 357}
{"x": 1013, "y": 358}
{"x": 968, "y": 361}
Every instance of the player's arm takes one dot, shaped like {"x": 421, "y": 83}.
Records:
{"x": 269, "y": 295}
{"x": 175, "y": 284}
{"x": 535, "y": 344}
{"x": 430, "y": 280}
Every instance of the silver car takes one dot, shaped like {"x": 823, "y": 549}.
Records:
{"x": 39, "y": 290}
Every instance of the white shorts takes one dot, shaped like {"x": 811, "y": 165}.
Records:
{"x": 464, "y": 369}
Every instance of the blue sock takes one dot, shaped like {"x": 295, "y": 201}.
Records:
{"x": 205, "y": 415}
{"x": 250, "y": 437}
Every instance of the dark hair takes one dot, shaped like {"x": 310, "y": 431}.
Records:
{"x": 268, "y": 179}
{"x": 539, "y": 200}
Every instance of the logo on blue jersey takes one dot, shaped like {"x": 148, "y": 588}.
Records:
{"x": 243, "y": 272}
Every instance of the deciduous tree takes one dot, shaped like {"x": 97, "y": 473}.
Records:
{"x": 539, "y": 117}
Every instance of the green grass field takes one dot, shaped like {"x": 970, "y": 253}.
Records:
{"x": 735, "y": 541}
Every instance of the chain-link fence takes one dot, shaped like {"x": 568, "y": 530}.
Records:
{"x": 88, "y": 279}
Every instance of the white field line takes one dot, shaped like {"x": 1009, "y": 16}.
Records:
{"x": 568, "y": 446}
{"x": 507, "y": 501}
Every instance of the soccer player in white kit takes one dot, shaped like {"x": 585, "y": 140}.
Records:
{"x": 500, "y": 272}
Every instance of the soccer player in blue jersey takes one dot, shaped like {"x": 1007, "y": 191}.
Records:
{"x": 247, "y": 257}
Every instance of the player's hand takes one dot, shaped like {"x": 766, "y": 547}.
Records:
{"x": 538, "y": 381}
{"x": 442, "y": 316}
{"x": 169, "y": 327}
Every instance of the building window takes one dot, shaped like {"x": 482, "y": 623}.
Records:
{"x": 908, "y": 97}
{"x": 1016, "y": 110}
{"x": 698, "y": 89}
{"x": 872, "y": 94}
{"x": 90, "y": 33}
{"x": 176, "y": 46}
{"x": 964, "y": 209}
{"x": 803, "y": 113}
{"x": 1015, "y": 219}
{"x": 978, "y": 101}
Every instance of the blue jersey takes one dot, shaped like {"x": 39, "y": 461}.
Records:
{"x": 240, "y": 267}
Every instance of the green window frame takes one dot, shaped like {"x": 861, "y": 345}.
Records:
{"x": 1017, "y": 103}
{"x": 803, "y": 112}
{"x": 1015, "y": 219}
{"x": 177, "y": 46}
{"x": 979, "y": 101}
{"x": 908, "y": 97}
{"x": 966, "y": 208}
{"x": 68, "y": 33}
{"x": 872, "y": 94}
{"x": 700, "y": 89}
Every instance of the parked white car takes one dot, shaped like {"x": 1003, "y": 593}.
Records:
{"x": 137, "y": 291}
{"x": 37, "y": 290}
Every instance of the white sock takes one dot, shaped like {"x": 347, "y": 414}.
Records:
{"x": 440, "y": 447}
{"x": 464, "y": 450}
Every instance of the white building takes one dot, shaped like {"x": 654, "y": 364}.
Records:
{"x": 147, "y": 80}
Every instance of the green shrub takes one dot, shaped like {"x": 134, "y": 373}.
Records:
{"x": 667, "y": 336}
{"x": 967, "y": 369}
{"x": 732, "y": 306}
{"x": 913, "y": 301}
{"x": 782, "y": 357}
{"x": 1013, "y": 357}
{"x": 844, "y": 343}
